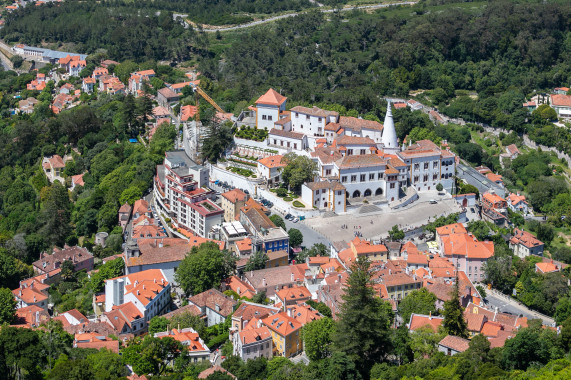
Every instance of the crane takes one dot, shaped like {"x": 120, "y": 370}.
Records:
{"x": 208, "y": 99}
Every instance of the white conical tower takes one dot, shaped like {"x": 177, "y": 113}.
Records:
{"x": 389, "y": 138}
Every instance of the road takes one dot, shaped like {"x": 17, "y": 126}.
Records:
{"x": 259, "y": 22}
{"x": 310, "y": 236}
{"x": 507, "y": 304}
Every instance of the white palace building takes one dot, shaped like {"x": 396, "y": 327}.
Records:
{"x": 356, "y": 158}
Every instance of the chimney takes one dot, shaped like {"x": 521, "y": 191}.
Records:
{"x": 155, "y": 280}
{"x": 37, "y": 318}
{"x": 138, "y": 293}
{"x": 430, "y": 315}
{"x": 20, "y": 293}
{"x": 292, "y": 277}
{"x": 244, "y": 340}
{"x": 390, "y": 272}
{"x": 143, "y": 287}
{"x": 264, "y": 281}
{"x": 34, "y": 299}
{"x": 161, "y": 243}
{"x": 289, "y": 312}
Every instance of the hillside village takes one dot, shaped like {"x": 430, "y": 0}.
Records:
{"x": 165, "y": 236}
{"x": 359, "y": 165}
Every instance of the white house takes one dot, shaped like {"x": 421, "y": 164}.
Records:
{"x": 268, "y": 109}
{"x": 311, "y": 122}
{"x": 324, "y": 195}
{"x": 562, "y": 105}
{"x": 270, "y": 168}
{"x": 517, "y": 203}
{"x": 147, "y": 291}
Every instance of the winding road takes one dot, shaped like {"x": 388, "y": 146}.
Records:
{"x": 259, "y": 22}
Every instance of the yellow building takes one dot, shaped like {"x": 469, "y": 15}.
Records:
{"x": 285, "y": 331}
{"x": 232, "y": 201}
{"x": 277, "y": 259}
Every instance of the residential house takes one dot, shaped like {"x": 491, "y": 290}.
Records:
{"x": 249, "y": 313}
{"x": 253, "y": 342}
{"x": 72, "y": 64}
{"x": 517, "y": 203}
{"x": 232, "y": 202}
{"x": 271, "y": 280}
{"x": 166, "y": 96}
{"x": 135, "y": 299}
{"x": 494, "y": 208}
{"x": 495, "y": 178}
{"x": 165, "y": 254}
{"x": 418, "y": 321}
{"x": 548, "y": 267}
{"x": 562, "y": 106}
{"x": 30, "y": 317}
{"x": 561, "y": 90}
{"x": 465, "y": 200}
{"x": 137, "y": 80}
{"x": 27, "y": 106}
{"x": 399, "y": 285}
{"x": 70, "y": 318}
{"x": 362, "y": 248}
{"x": 466, "y": 253}
{"x": 269, "y": 107}
{"x": 124, "y": 215}
{"x": 270, "y": 168}
{"x": 77, "y": 180}
{"x": 188, "y": 112}
{"x": 277, "y": 258}
{"x": 32, "y": 294}
{"x": 512, "y": 151}
{"x": 452, "y": 345}
{"x": 214, "y": 304}
{"x": 95, "y": 341}
{"x": 216, "y": 368}
{"x": 81, "y": 258}
{"x": 285, "y": 332}
{"x": 196, "y": 349}
{"x": 292, "y": 296}
{"x": 241, "y": 288}
{"x": 414, "y": 105}
{"x": 524, "y": 244}
{"x": 99, "y": 72}
{"x": 53, "y": 168}
{"x": 37, "y": 84}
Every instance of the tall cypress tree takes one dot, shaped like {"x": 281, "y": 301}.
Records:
{"x": 363, "y": 329}
{"x": 454, "y": 322}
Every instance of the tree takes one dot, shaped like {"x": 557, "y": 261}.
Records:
{"x": 566, "y": 334}
{"x": 7, "y": 306}
{"x": 424, "y": 342}
{"x": 402, "y": 345}
{"x": 545, "y": 112}
{"x": 320, "y": 307}
{"x": 218, "y": 140}
{"x": 78, "y": 369}
{"x": 55, "y": 341}
{"x": 418, "y": 301}
{"x": 158, "y": 324}
{"x": 260, "y": 298}
{"x": 295, "y": 237}
{"x": 67, "y": 269}
{"x": 152, "y": 355}
{"x": 364, "y": 320}
{"x": 257, "y": 261}
{"x": 454, "y": 322}
{"x": 530, "y": 345}
{"x": 479, "y": 229}
{"x": 20, "y": 352}
{"x": 130, "y": 195}
{"x": 56, "y": 213}
{"x": 318, "y": 249}
{"x": 396, "y": 234}
{"x": 471, "y": 152}
{"x": 107, "y": 365}
{"x": 439, "y": 187}
{"x": 341, "y": 367}
{"x": 298, "y": 170}
{"x": 204, "y": 267}
{"x": 316, "y": 337}
{"x": 278, "y": 221}
{"x": 481, "y": 290}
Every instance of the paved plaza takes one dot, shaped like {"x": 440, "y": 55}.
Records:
{"x": 376, "y": 225}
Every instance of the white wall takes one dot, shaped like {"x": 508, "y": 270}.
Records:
{"x": 271, "y": 114}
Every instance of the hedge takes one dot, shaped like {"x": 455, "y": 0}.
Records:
{"x": 298, "y": 204}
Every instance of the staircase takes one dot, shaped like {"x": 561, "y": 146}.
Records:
{"x": 366, "y": 209}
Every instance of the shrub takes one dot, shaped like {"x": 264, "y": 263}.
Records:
{"x": 288, "y": 199}
{"x": 298, "y": 204}
{"x": 281, "y": 192}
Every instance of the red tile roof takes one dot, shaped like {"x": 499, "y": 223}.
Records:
{"x": 456, "y": 228}
{"x": 272, "y": 97}
{"x": 456, "y": 343}
{"x": 272, "y": 161}
{"x": 282, "y": 324}
{"x": 561, "y": 100}
{"x": 525, "y": 238}
{"x": 418, "y": 321}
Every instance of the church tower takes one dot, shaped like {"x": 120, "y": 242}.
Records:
{"x": 389, "y": 137}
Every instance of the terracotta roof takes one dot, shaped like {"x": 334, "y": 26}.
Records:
{"x": 272, "y": 161}
{"x": 456, "y": 343}
{"x": 515, "y": 199}
{"x": 30, "y": 316}
{"x": 303, "y": 313}
{"x": 275, "y": 255}
{"x": 147, "y": 231}
{"x": 294, "y": 293}
{"x": 456, "y": 228}
{"x": 443, "y": 272}
{"x": 282, "y": 324}
{"x": 396, "y": 279}
{"x": 97, "y": 341}
{"x": 494, "y": 177}
{"x": 356, "y": 124}
{"x": 168, "y": 93}
{"x": 333, "y": 185}
{"x": 248, "y": 311}
{"x": 315, "y": 111}
{"x": 288, "y": 134}
{"x": 547, "y": 267}
{"x": 78, "y": 180}
{"x": 76, "y": 254}
{"x": 422, "y": 148}
{"x": 475, "y": 322}
{"x": 144, "y": 285}
{"x": 327, "y": 155}
{"x": 192, "y": 309}
{"x": 512, "y": 149}
{"x": 417, "y": 259}
{"x": 410, "y": 248}
{"x": 525, "y": 238}
{"x": 252, "y": 335}
{"x": 188, "y": 337}
{"x": 358, "y": 161}
{"x": 418, "y": 321}
{"x": 214, "y": 300}
{"x": 188, "y": 112}
{"x": 467, "y": 245}
{"x": 355, "y": 140}
{"x": 141, "y": 207}
{"x": 561, "y": 100}
{"x": 172, "y": 249}
{"x": 244, "y": 245}
{"x": 443, "y": 292}
{"x": 493, "y": 198}
{"x": 272, "y": 97}
{"x": 277, "y": 276}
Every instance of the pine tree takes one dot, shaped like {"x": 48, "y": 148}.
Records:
{"x": 454, "y": 322}
{"x": 363, "y": 330}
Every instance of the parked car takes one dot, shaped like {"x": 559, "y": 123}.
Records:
{"x": 433, "y": 202}
{"x": 295, "y": 220}
{"x": 288, "y": 216}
